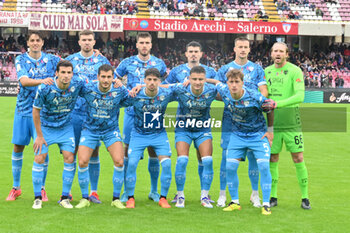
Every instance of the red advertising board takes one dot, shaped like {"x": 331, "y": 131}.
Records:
{"x": 210, "y": 26}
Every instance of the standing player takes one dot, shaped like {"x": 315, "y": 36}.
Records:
{"x": 181, "y": 73}
{"x": 134, "y": 67}
{"x": 253, "y": 79}
{"x": 101, "y": 124}
{"x": 51, "y": 115}
{"x": 194, "y": 106}
{"x": 86, "y": 65}
{"x": 286, "y": 87}
{"x": 33, "y": 68}
{"x": 149, "y": 107}
{"x": 249, "y": 132}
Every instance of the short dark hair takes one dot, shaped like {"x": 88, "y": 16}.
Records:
{"x": 234, "y": 73}
{"x": 143, "y": 35}
{"x": 86, "y": 33}
{"x": 63, "y": 63}
{"x": 241, "y": 38}
{"x": 152, "y": 72}
{"x": 198, "y": 70}
{"x": 38, "y": 33}
{"x": 194, "y": 44}
{"x": 105, "y": 68}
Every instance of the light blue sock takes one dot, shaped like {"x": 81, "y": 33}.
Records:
{"x": 46, "y": 166}
{"x": 84, "y": 180}
{"x": 118, "y": 179}
{"x": 232, "y": 177}
{"x": 153, "y": 168}
{"x": 130, "y": 180}
{"x": 94, "y": 172}
{"x": 67, "y": 176}
{"x": 200, "y": 173}
{"x": 180, "y": 172}
{"x": 37, "y": 177}
{"x": 253, "y": 171}
{"x": 165, "y": 178}
{"x": 223, "y": 171}
{"x": 265, "y": 184}
{"x": 208, "y": 172}
{"x": 17, "y": 160}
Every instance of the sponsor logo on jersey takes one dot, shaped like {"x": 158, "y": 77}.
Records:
{"x": 298, "y": 80}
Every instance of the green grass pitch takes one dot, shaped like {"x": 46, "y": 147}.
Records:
{"x": 326, "y": 155}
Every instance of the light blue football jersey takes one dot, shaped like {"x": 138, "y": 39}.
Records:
{"x": 149, "y": 111}
{"x": 245, "y": 113}
{"x": 254, "y": 77}
{"x": 56, "y": 104}
{"x": 193, "y": 108}
{"x": 102, "y": 108}
{"x": 85, "y": 67}
{"x": 181, "y": 72}
{"x": 26, "y": 66}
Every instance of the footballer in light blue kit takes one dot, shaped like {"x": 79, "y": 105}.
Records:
{"x": 191, "y": 117}
{"x": 148, "y": 131}
{"x": 86, "y": 64}
{"x": 101, "y": 124}
{"x": 254, "y": 78}
{"x": 180, "y": 74}
{"x": 33, "y": 68}
{"x": 134, "y": 68}
{"x": 52, "y": 109}
{"x": 248, "y": 132}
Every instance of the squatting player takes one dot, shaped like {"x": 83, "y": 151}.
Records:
{"x": 101, "y": 124}
{"x": 253, "y": 79}
{"x": 86, "y": 64}
{"x": 148, "y": 131}
{"x": 181, "y": 73}
{"x": 134, "y": 67}
{"x": 249, "y": 132}
{"x": 52, "y": 109}
{"x": 286, "y": 86}
{"x": 33, "y": 68}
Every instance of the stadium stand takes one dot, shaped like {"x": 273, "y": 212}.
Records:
{"x": 70, "y": 6}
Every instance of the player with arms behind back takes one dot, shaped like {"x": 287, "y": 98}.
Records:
{"x": 33, "y": 68}
{"x": 286, "y": 86}
{"x": 86, "y": 64}
{"x": 134, "y": 67}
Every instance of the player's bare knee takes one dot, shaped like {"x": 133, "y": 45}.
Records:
{"x": 40, "y": 159}
{"x": 83, "y": 162}
{"x": 18, "y": 148}
{"x": 119, "y": 163}
{"x": 298, "y": 157}
{"x": 274, "y": 158}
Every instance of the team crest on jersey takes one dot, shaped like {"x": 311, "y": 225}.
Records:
{"x": 28, "y": 62}
{"x": 285, "y": 72}
{"x": 152, "y": 63}
{"x": 95, "y": 60}
{"x": 45, "y": 60}
{"x": 76, "y": 58}
{"x": 161, "y": 98}
{"x": 246, "y": 103}
{"x": 72, "y": 89}
{"x": 250, "y": 68}
{"x": 114, "y": 94}
{"x": 206, "y": 95}
{"x": 135, "y": 63}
